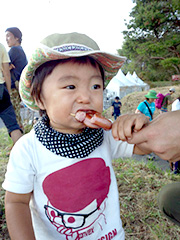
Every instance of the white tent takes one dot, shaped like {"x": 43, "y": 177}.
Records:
{"x": 138, "y": 80}
{"x": 112, "y": 90}
{"x": 114, "y": 86}
{"x": 120, "y": 86}
{"x": 139, "y": 86}
{"x": 122, "y": 78}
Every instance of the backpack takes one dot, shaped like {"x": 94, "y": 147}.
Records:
{"x": 159, "y": 100}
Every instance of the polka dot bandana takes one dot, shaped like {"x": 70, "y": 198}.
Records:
{"x": 68, "y": 145}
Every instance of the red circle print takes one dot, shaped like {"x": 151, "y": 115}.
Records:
{"x": 71, "y": 220}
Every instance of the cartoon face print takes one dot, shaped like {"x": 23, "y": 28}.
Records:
{"x": 77, "y": 195}
{"x": 69, "y": 220}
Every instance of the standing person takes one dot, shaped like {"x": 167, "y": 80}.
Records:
{"x": 175, "y": 166}
{"x": 63, "y": 166}
{"x": 167, "y": 100}
{"x": 147, "y": 107}
{"x": 116, "y": 105}
{"x": 18, "y": 62}
{"x": 7, "y": 113}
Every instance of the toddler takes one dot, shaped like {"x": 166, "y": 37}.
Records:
{"x": 60, "y": 182}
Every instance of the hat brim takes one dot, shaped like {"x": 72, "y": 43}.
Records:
{"x": 111, "y": 63}
{"x": 153, "y": 97}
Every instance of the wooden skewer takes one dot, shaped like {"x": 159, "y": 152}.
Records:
{"x": 72, "y": 114}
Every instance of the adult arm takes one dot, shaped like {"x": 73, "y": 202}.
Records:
{"x": 161, "y": 136}
{"x": 11, "y": 66}
{"x": 18, "y": 216}
{"x": 7, "y": 76}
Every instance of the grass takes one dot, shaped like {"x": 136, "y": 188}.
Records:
{"x": 5, "y": 144}
{"x": 138, "y": 184}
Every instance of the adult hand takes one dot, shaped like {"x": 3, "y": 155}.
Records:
{"x": 161, "y": 136}
{"x": 11, "y": 66}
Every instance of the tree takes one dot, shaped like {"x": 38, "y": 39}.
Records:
{"x": 152, "y": 39}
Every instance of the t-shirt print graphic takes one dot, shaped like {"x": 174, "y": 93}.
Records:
{"x": 77, "y": 197}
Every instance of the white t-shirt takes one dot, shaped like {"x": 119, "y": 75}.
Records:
{"x": 176, "y": 105}
{"x": 72, "y": 198}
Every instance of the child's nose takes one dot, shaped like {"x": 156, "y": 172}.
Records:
{"x": 83, "y": 97}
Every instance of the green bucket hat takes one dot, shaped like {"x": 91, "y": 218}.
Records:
{"x": 151, "y": 94}
{"x": 63, "y": 46}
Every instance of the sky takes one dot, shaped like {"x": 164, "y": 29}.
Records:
{"x": 102, "y": 20}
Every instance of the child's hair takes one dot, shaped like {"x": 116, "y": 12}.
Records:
{"x": 46, "y": 69}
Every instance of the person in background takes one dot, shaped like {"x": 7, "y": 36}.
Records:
{"x": 162, "y": 136}
{"x": 18, "y": 62}
{"x": 147, "y": 107}
{"x": 175, "y": 166}
{"x": 167, "y": 100}
{"x": 176, "y": 104}
{"x": 116, "y": 105}
{"x": 7, "y": 113}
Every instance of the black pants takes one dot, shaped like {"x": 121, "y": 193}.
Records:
{"x": 169, "y": 201}
{"x": 116, "y": 115}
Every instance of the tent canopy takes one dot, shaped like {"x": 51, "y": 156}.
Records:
{"x": 120, "y": 86}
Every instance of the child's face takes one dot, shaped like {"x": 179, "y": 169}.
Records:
{"x": 69, "y": 88}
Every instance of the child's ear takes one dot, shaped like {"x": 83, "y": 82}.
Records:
{"x": 40, "y": 104}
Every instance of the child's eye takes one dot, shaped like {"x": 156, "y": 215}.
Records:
{"x": 70, "y": 87}
{"x": 96, "y": 86}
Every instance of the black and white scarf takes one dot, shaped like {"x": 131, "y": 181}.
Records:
{"x": 68, "y": 145}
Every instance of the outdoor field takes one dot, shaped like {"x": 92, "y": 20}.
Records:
{"x": 139, "y": 182}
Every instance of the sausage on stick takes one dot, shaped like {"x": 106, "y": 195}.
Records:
{"x": 93, "y": 119}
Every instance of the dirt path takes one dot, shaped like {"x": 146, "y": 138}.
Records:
{"x": 162, "y": 164}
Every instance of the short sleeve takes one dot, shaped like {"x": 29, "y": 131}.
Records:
{"x": 5, "y": 56}
{"x": 118, "y": 148}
